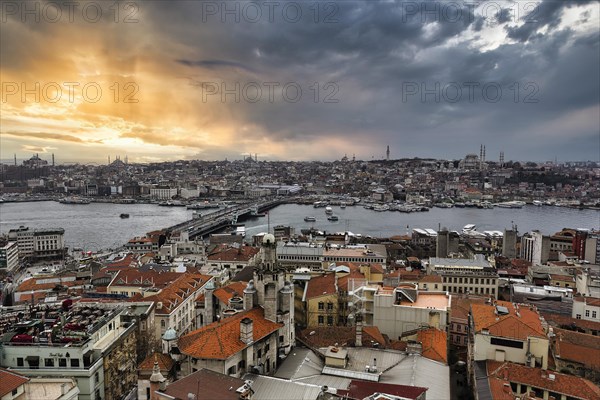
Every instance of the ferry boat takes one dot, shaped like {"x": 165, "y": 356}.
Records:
{"x": 381, "y": 207}
{"x": 511, "y": 204}
{"x": 333, "y": 218}
{"x": 202, "y": 206}
{"x": 310, "y": 219}
{"x": 171, "y": 203}
{"x": 241, "y": 231}
{"x": 328, "y": 210}
{"x": 74, "y": 200}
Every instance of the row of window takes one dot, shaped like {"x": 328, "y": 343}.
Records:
{"x": 476, "y": 290}
{"x": 476, "y": 281}
{"x": 49, "y": 362}
{"x": 587, "y": 314}
{"x": 321, "y": 320}
{"x": 322, "y": 306}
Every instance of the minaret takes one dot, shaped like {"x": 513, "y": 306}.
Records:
{"x": 156, "y": 380}
{"x": 387, "y": 153}
{"x": 15, "y": 159}
{"x": 53, "y": 159}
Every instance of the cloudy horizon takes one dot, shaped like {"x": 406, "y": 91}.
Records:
{"x": 291, "y": 80}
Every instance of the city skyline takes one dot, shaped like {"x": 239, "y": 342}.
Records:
{"x": 183, "y": 80}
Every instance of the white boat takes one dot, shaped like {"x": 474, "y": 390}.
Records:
{"x": 241, "y": 231}
{"x": 538, "y": 203}
{"x": 381, "y": 207}
{"x": 469, "y": 228}
{"x": 511, "y": 204}
{"x": 342, "y": 205}
{"x": 74, "y": 200}
{"x": 309, "y": 219}
{"x": 328, "y": 210}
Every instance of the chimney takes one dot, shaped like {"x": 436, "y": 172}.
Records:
{"x": 414, "y": 347}
{"x": 359, "y": 326}
{"x": 249, "y": 294}
{"x": 246, "y": 330}
{"x": 270, "y": 303}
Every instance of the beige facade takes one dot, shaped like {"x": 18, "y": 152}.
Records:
{"x": 405, "y": 309}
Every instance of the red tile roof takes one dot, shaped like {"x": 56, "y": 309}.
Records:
{"x": 175, "y": 293}
{"x": 232, "y": 254}
{"x": 510, "y": 325}
{"x": 10, "y": 381}
{"x": 579, "y": 347}
{"x": 434, "y": 344}
{"x": 221, "y": 340}
{"x": 566, "y": 384}
{"x": 564, "y": 320}
{"x": 137, "y": 278}
{"x": 344, "y": 280}
{"x": 165, "y": 362}
{"x": 226, "y": 292}
{"x": 362, "y": 389}
{"x": 320, "y": 286}
{"x": 206, "y": 385}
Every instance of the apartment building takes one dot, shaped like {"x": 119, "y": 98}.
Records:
{"x": 503, "y": 331}
{"x": 39, "y": 243}
{"x": 89, "y": 342}
{"x": 405, "y": 308}
{"x": 461, "y": 275}
{"x": 9, "y": 256}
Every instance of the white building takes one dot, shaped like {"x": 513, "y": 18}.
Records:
{"x": 587, "y": 308}
{"x": 39, "y": 243}
{"x": 462, "y": 275}
{"x": 9, "y": 256}
{"x": 163, "y": 192}
{"x": 405, "y": 309}
{"x": 535, "y": 247}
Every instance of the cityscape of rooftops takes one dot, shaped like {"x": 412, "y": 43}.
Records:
{"x": 290, "y": 200}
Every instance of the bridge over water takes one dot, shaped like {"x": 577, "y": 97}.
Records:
{"x": 226, "y": 217}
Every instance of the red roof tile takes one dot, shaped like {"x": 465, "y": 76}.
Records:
{"x": 362, "y": 389}
{"x": 560, "y": 383}
{"x": 173, "y": 294}
{"x": 10, "y": 381}
{"x": 221, "y": 340}
{"x": 510, "y": 325}
{"x": 165, "y": 362}
{"x": 320, "y": 286}
{"x": 225, "y": 293}
{"x": 434, "y": 344}
{"x": 579, "y": 347}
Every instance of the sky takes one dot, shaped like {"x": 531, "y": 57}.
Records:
{"x": 299, "y": 80}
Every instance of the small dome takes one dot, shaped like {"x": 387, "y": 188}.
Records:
{"x": 170, "y": 334}
{"x": 268, "y": 239}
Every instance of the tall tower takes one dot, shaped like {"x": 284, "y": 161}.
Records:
{"x": 501, "y": 159}
{"x": 273, "y": 293}
{"x": 387, "y": 153}
{"x": 481, "y": 157}
{"x": 15, "y": 159}
{"x": 53, "y": 159}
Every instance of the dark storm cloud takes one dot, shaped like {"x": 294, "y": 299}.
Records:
{"x": 215, "y": 64}
{"x": 376, "y": 49}
{"x": 374, "y": 52}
